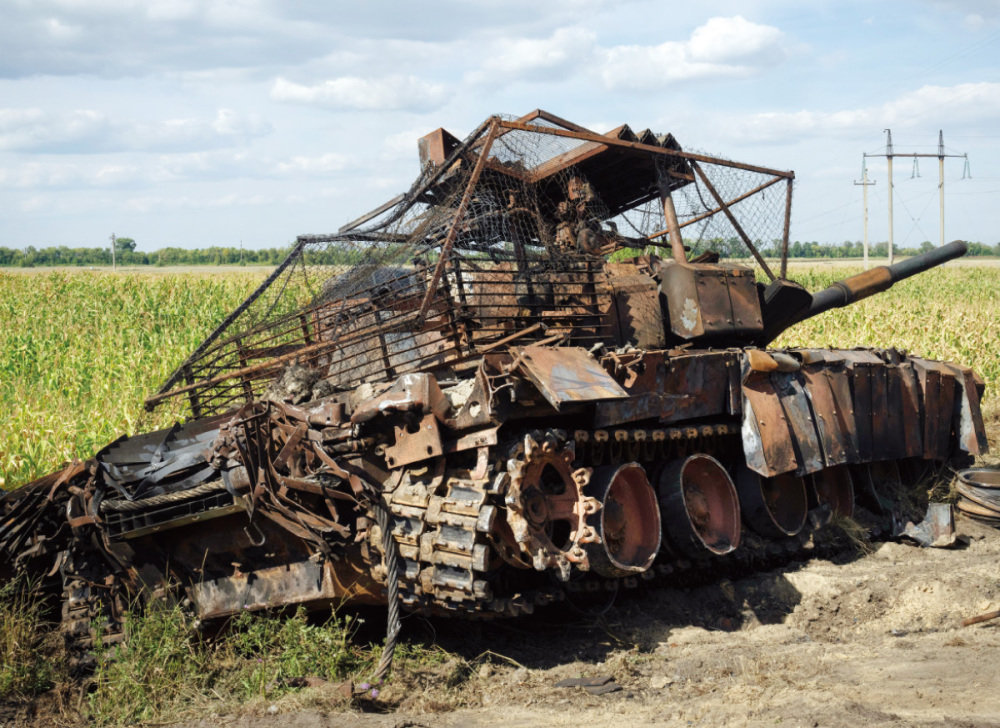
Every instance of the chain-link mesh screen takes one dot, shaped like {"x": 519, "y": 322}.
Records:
{"x": 481, "y": 253}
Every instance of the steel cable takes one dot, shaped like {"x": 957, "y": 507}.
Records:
{"x": 392, "y": 626}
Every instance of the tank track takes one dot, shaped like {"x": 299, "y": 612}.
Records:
{"x": 439, "y": 523}
{"x": 93, "y": 608}
{"x": 443, "y": 521}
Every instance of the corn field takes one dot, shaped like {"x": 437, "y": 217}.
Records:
{"x": 79, "y": 351}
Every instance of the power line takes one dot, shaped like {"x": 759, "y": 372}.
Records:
{"x": 890, "y": 153}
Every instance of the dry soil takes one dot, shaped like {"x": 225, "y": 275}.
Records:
{"x": 874, "y": 640}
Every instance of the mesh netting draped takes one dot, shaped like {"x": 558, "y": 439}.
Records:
{"x": 502, "y": 240}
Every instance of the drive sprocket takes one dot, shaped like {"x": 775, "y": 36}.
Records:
{"x": 546, "y": 506}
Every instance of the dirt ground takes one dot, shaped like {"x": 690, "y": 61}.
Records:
{"x": 873, "y": 640}
{"x": 867, "y": 639}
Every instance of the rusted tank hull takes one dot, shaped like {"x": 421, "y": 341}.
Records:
{"x": 500, "y": 496}
{"x": 464, "y": 403}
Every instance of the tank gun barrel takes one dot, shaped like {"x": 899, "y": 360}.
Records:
{"x": 787, "y": 303}
{"x": 876, "y": 280}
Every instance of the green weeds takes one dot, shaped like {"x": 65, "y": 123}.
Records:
{"x": 26, "y": 667}
{"x": 165, "y": 670}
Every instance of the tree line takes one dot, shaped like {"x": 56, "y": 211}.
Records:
{"x": 855, "y": 249}
{"x": 734, "y": 248}
{"x": 126, "y": 254}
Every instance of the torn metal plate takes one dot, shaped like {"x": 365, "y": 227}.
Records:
{"x": 936, "y": 530}
{"x": 566, "y": 375}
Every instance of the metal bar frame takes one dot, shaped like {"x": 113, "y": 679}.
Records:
{"x": 732, "y": 219}
{"x": 784, "y": 234}
{"x": 449, "y": 241}
{"x": 614, "y": 142}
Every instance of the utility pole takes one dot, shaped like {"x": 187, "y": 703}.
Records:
{"x": 865, "y": 184}
{"x": 890, "y": 153}
{"x": 941, "y": 179}
{"x": 114, "y": 264}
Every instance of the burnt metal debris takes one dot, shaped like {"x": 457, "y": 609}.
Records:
{"x": 979, "y": 494}
{"x": 466, "y": 399}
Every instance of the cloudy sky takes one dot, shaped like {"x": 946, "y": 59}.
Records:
{"x": 178, "y": 122}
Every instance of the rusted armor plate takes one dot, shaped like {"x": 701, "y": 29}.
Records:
{"x": 895, "y": 414}
{"x": 912, "y": 410}
{"x": 937, "y": 384}
{"x": 767, "y": 440}
{"x": 847, "y": 407}
{"x": 672, "y": 388}
{"x": 971, "y": 431}
{"x": 566, "y": 375}
{"x": 834, "y": 423}
{"x": 800, "y": 418}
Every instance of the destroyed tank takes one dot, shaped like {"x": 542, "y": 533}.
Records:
{"x": 472, "y": 401}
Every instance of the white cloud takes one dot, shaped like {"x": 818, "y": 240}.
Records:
{"x": 967, "y": 103}
{"x": 402, "y": 145}
{"x": 522, "y": 56}
{"x": 735, "y": 40}
{"x": 130, "y": 37}
{"x": 721, "y": 48}
{"x": 149, "y": 203}
{"x": 395, "y": 92}
{"x": 34, "y": 129}
{"x": 89, "y": 131}
{"x": 87, "y": 174}
{"x": 975, "y": 15}
{"x": 226, "y": 129}
{"x": 302, "y": 166}
{"x": 60, "y": 31}
{"x": 985, "y": 8}
{"x": 170, "y": 10}
{"x": 140, "y": 170}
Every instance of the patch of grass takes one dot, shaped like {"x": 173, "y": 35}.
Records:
{"x": 161, "y": 664}
{"x": 27, "y": 667}
{"x": 271, "y": 651}
{"x": 165, "y": 670}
